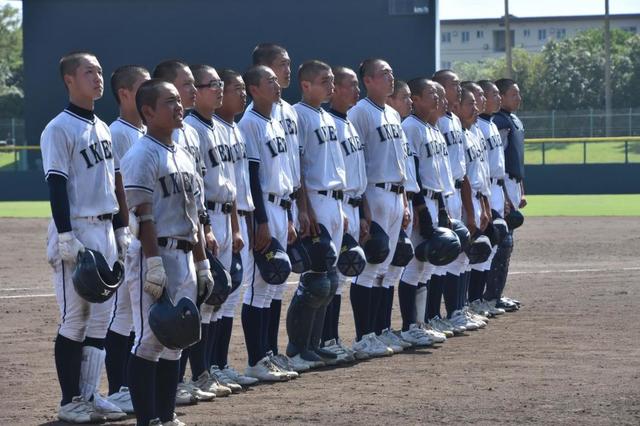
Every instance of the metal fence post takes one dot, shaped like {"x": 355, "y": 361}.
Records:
{"x": 626, "y": 152}
{"x": 591, "y": 122}
{"x": 543, "y": 153}
{"x": 553, "y": 123}
{"x": 630, "y": 124}
{"x": 584, "y": 152}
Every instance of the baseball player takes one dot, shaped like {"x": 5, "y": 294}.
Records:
{"x": 346, "y": 94}
{"x": 277, "y": 58}
{"x": 271, "y": 182}
{"x": 126, "y": 130}
{"x": 380, "y": 129}
{"x": 324, "y": 176}
{"x": 512, "y": 134}
{"x": 77, "y": 153}
{"x": 233, "y": 103}
{"x": 161, "y": 179}
{"x": 400, "y": 100}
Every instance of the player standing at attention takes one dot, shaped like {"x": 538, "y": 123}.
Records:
{"x": 380, "y": 129}
{"x": 271, "y": 180}
{"x": 512, "y": 134}
{"x": 77, "y": 153}
{"x": 126, "y": 130}
{"x": 277, "y": 58}
{"x": 346, "y": 94}
{"x": 160, "y": 179}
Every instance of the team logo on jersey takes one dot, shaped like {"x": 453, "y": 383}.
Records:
{"x": 326, "y": 134}
{"x": 352, "y": 144}
{"x": 454, "y": 137}
{"x": 389, "y": 131}
{"x": 98, "y": 152}
{"x": 239, "y": 151}
{"x": 432, "y": 148}
{"x": 170, "y": 183}
{"x": 494, "y": 142}
{"x": 277, "y": 146}
{"x": 475, "y": 153}
{"x": 290, "y": 127}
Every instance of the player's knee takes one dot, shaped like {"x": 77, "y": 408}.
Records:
{"x": 314, "y": 289}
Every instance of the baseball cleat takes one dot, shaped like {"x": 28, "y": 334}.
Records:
{"x": 79, "y": 410}
{"x": 480, "y": 307}
{"x": 174, "y": 422}
{"x": 236, "y": 377}
{"x": 458, "y": 318}
{"x": 472, "y": 316}
{"x": 327, "y": 356}
{"x": 282, "y": 363}
{"x": 224, "y": 380}
{"x": 312, "y": 358}
{"x": 416, "y": 336}
{"x": 390, "y": 339}
{"x": 122, "y": 399}
{"x": 359, "y": 349}
{"x": 207, "y": 382}
{"x": 434, "y": 335}
{"x": 442, "y": 327}
{"x": 506, "y": 304}
{"x": 457, "y": 329}
{"x": 265, "y": 371}
{"x": 298, "y": 365}
{"x": 496, "y": 307}
{"x": 342, "y": 354}
{"x": 189, "y": 394}
{"x": 373, "y": 347}
{"x": 107, "y": 409}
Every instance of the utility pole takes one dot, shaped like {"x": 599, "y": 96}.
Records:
{"x": 507, "y": 39}
{"x": 607, "y": 70}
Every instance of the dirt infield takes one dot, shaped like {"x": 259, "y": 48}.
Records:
{"x": 570, "y": 356}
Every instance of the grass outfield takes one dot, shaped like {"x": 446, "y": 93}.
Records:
{"x": 539, "y": 205}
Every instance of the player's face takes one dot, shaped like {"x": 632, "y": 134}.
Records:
{"x": 493, "y": 99}
{"x": 443, "y": 104}
{"x": 481, "y": 100}
{"x": 184, "y": 82}
{"x": 235, "y": 96}
{"x": 511, "y": 98}
{"x": 402, "y": 102}
{"x": 321, "y": 88}
{"x": 210, "y": 90}
{"x": 453, "y": 89}
{"x": 348, "y": 89}
{"x": 429, "y": 99}
{"x": 87, "y": 82}
{"x": 168, "y": 113}
{"x": 281, "y": 66}
{"x": 269, "y": 88}
{"x": 468, "y": 108}
{"x": 128, "y": 97}
{"x": 382, "y": 79}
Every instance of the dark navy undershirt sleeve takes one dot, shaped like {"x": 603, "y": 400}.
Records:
{"x": 418, "y": 198}
{"x": 260, "y": 213}
{"x": 59, "y": 199}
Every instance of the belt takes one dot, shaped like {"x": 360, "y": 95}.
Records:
{"x": 429, "y": 193}
{"x": 499, "y": 182}
{"x": 243, "y": 213}
{"x": 479, "y": 195}
{"x": 282, "y": 202}
{"x": 391, "y": 187}
{"x": 102, "y": 217}
{"x": 225, "y": 208}
{"x": 517, "y": 179}
{"x": 337, "y": 194}
{"x": 410, "y": 195}
{"x": 458, "y": 184}
{"x": 294, "y": 195}
{"x": 172, "y": 243}
{"x": 355, "y": 202}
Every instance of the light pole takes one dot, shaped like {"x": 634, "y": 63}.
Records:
{"x": 507, "y": 39}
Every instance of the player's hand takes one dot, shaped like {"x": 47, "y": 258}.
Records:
{"x": 263, "y": 237}
{"x": 314, "y": 226}
{"x": 212, "y": 243}
{"x": 484, "y": 221}
{"x": 303, "y": 221}
{"x": 444, "y": 219}
{"x": 123, "y": 239}
{"x": 69, "y": 246}
{"x": 406, "y": 217}
{"x": 291, "y": 233}
{"x": 345, "y": 224}
{"x": 237, "y": 242}
{"x": 205, "y": 280}
{"x": 523, "y": 202}
{"x": 471, "y": 224}
{"x": 507, "y": 208}
{"x": 364, "y": 230}
{"x": 155, "y": 279}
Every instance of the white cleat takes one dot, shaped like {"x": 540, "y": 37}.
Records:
{"x": 239, "y": 378}
{"x": 480, "y": 307}
{"x": 209, "y": 383}
{"x": 189, "y": 394}
{"x": 434, "y": 335}
{"x": 491, "y": 304}
{"x": 472, "y": 316}
{"x": 342, "y": 355}
{"x": 214, "y": 371}
{"x": 122, "y": 399}
{"x": 79, "y": 410}
{"x": 360, "y": 350}
{"x": 282, "y": 363}
{"x": 174, "y": 422}
{"x": 265, "y": 371}
{"x": 459, "y": 318}
{"x": 390, "y": 340}
{"x": 401, "y": 341}
{"x": 457, "y": 328}
{"x": 107, "y": 409}
{"x": 373, "y": 347}
{"x": 416, "y": 336}
{"x": 441, "y": 327}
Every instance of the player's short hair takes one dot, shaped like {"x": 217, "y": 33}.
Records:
{"x": 199, "y": 70}
{"x": 340, "y": 73}
{"x": 417, "y": 85}
{"x": 168, "y": 70}
{"x": 309, "y": 70}
{"x": 399, "y": 85}
{"x": 266, "y": 53}
{"x": 367, "y": 66}
{"x": 254, "y": 74}
{"x": 228, "y": 75}
{"x": 70, "y": 62}
{"x": 471, "y": 85}
{"x": 147, "y": 94}
{"x": 441, "y": 76}
{"x": 504, "y": 84}
{"x": 124, "y": 77}
{"x": 466, "y": 90}
{"x": 485, "y": 84}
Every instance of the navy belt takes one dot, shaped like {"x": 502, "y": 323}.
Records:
{"x": 225, "y": 208}
{"x": 393, "y": 187}
{"x": 338, "y": 195}
{"x": 183, "y": 245}
{"x": 284, "y": 203}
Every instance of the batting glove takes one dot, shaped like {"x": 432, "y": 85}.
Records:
{"x": 123, "y": 239}
{"x": 155, "y": 278}
{"x": 69, "y": 246}
{"x": 205, "y": 280}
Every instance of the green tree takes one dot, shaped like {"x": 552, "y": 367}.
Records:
{"x": 11, "y": 64}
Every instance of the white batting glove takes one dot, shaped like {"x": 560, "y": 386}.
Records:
{"x": 123, "y": 239}
{"x": 69, "y": 246}
{"x": 156, "y": 278}
{"x": 205, "y": 279}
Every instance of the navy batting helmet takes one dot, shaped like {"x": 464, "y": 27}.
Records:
{"x": 352, "y": 260}
{"x": 404, "y": 250}
{"x": 321, "y": 250}
{"x": 298, "y": 256}
{"x": 444, "y": 247}
{"x": 273, "y": 264}
{"x": 461, "y": 231}
{"x": 514, "y": 219}
{"x": 501, "y": 229}
{"x": 177, "y": 326}
{"x": 92, "y": 278}
{"x": 236, "y": 271}
{"x": 479, "y": 249}
{"x": 376, "y": 248}
{"x": 221, "y": 283}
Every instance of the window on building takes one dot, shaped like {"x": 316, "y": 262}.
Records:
{"x": 465, "y": 36}
{"x": 445, "y": 65}
{"x": 632, "y": 30}
{"x": 542, "y": 34}
{"x": 527, "y": 33}
{"x": 561, "y": 33}
{"x": 479, "y": 34}
{"x": 446, "y": 37}
{"x": 499, "y": 44}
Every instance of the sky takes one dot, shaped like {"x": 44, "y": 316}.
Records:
{"x": 469, "y": 9}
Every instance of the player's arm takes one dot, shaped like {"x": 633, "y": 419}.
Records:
{"x": 262, "y": 232}
{"x": 486, "y": 212}
{"x": 365, "y": 218}
{"x": 237, "y": 243}
{"x": 467, "y": 203}
{"x": 523, "y": 199}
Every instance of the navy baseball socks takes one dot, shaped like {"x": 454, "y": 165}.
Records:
{"x": 142, "y": 387}
{"x": 407, "y": 302}
{"x": 68, "y": 357}
{"x": 477, "y": 284}
{"x": 434, "y": 296}
{"x": 361, "y": 305}
{"x": 252, "y": 325}
{"x": 166, "y": 385}
{"x": 117, "y": 348}
{"x": 223, "y": 338}
{"x": 274, "y": 325}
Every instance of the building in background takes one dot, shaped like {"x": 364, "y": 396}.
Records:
{"x": 470, "y": 40}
